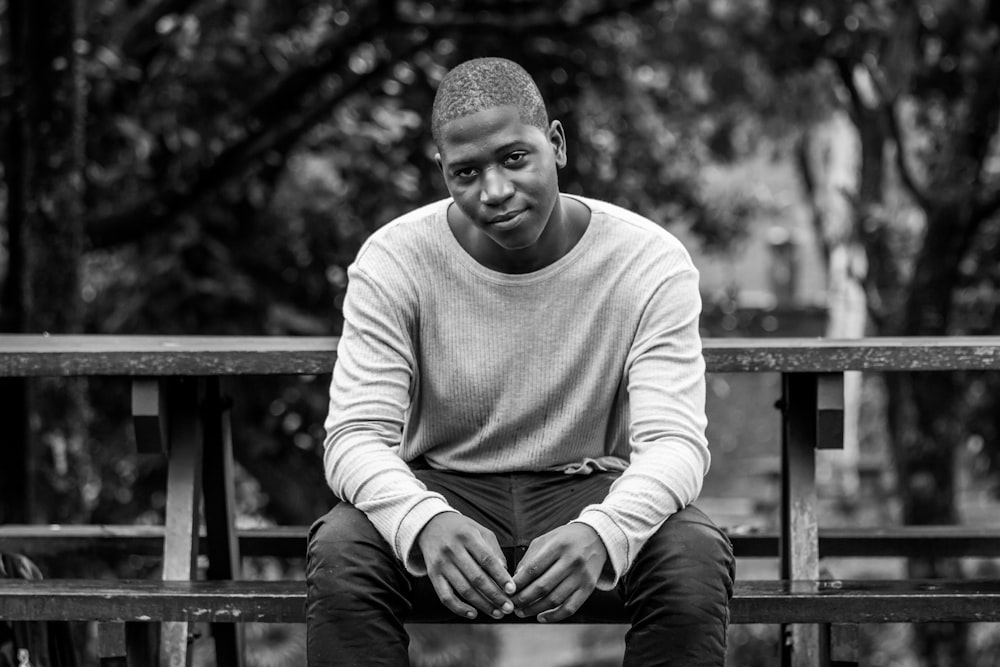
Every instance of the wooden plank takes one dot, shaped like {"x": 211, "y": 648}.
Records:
{"x": 767, "y": 602}
{"x": 33, "y": 355}
{"x": 182, "y": 513}
{"x": 220, "y": 515}
{"x": 844, "y": 645}
{"x": 830, "y": 411}
{"x": 147, "y": 416}
{"x": 111, "y": 644}
{"x": 290, "y": 541}
{"x": 23, "y": 355}
{"x": 804, "y": 645}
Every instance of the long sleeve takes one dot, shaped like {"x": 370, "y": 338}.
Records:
{"x": 665, "y": 380}
{"x": 369, "y": 398}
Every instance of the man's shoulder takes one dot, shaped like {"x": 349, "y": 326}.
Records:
{"x": 414, "y": 223}
{"x": 634, "y": 229}
{"x": 405, "y": 238}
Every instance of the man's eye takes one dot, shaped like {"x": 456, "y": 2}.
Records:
{"x": 514, "y": 158}
{"x": 464, "y": 173}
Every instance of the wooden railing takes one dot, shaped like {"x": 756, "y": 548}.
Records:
{"x": 179, "y": 410}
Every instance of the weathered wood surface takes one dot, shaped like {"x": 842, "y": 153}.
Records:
{"x": 283, "y": 601}
{"x": 805, "y": 644}
{"x": 218, "y": 488}
{"x": 180, "y": 545}
{"x": 55, "y": 355}
{"x": 290, "y": 541}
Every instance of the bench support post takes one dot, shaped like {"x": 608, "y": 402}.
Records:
{"x": 844, "y": 645}
{"x": 180, "y": 543}
{"x": 810, "y": 413}
{"x": 220, "y": 520}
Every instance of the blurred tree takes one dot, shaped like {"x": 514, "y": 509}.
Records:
{"x": 921, "y": 83}
{"x": 44, "y": 166}
{"x": 239, "y": 152}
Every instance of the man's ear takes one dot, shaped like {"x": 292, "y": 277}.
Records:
{"x": 437, "y": 158}
{"x": 557, "y": 137}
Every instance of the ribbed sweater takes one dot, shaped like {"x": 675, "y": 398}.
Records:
{"x": 592, "y": 362}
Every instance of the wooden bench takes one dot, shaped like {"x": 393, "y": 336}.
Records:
{"x": 775, "y": 602}
{"x": 179, "y": 410}
{"x": 290, "y": 541}
{"x": 125, "y": 608}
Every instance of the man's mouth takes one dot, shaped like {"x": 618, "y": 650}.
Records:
{"x": 504, "y": 217}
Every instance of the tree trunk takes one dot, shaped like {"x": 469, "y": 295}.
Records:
{"x": 831, "y": 153}
{"x": 923, "y": 432}
{"x": 922, "y": 408}
{"x": 13, "y": 391}
{"x": 48, "y": 257}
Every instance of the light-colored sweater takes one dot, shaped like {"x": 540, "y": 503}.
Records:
{"x": 593, "y": 362}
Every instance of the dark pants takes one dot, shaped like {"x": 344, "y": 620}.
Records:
{"x": 676, "y": 593}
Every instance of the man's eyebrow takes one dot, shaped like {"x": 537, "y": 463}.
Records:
{"x": 511, "y": 145}
{"x": 465, "y": 160}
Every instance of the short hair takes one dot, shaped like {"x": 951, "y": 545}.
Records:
{"x": 485, "y": 83}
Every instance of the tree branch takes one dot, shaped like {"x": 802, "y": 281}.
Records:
{"x": 140, "y": 41}
{"x": 520, "y": 22}
{"x": 990, "y": 205}
{"x": 269, "y": 125}
{"x": 802, "y": 158}
{"x": 906, "y": 174}
{"x": 157, "y": 211}
{"x": 845, "y": 68}
{"x": 331, "y": 55}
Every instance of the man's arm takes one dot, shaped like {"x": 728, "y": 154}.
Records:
{"x": 665, "y": 375}
{"x": 369, "y": 397}
{"x": 669, "y": 454}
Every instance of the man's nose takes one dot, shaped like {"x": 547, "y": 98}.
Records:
{"x": 497, "y": 188}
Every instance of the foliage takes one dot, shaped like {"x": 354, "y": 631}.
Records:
{"x": 239, "y": 152}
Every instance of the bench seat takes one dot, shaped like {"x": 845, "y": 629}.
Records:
{"x": 834, "y": 601}
{"x": 290, "y": 541}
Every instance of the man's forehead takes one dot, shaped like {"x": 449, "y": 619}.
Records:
{"x": 488, "y": 128}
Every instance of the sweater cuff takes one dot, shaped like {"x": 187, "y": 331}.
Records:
{"x": 615, "y": 542}
{"x": 409, "y": 528}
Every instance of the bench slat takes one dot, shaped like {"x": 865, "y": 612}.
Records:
{"x": 26, "y": 355}
{"x": 769, "y": 602}
{"x": 290, "y": 541}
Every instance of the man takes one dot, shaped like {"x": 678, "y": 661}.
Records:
{"x": 517, "y": 406}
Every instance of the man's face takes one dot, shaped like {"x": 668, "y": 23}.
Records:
{"x": 502, "y": 174}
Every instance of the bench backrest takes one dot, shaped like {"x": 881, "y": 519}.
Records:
{"x": 67, "y": 355}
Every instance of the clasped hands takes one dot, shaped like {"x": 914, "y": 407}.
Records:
{"x": 469, "y": 572}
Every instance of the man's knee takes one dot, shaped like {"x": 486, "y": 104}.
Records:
{"x": 687, "y": 562}
{"x": 343, "y": 546}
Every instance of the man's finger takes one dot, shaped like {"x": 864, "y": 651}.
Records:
{"x": 449, "y": 598}
{"x": 469, "y": 587}
{"x": 482, "y": 586}
{"x": 493, "y": 562}
{"x": 566, "y": 609}
{"x": 552, "y": 594}
{"x": 533, "y": 565}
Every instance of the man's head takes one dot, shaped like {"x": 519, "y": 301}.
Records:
{"x": 499, "y": 156}
{"x": 485, "y": 83}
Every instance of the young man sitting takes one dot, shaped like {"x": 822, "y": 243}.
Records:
{"x": 517, "y": 406}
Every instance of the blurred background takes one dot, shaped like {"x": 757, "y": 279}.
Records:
{"x": 212, "y": 166}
